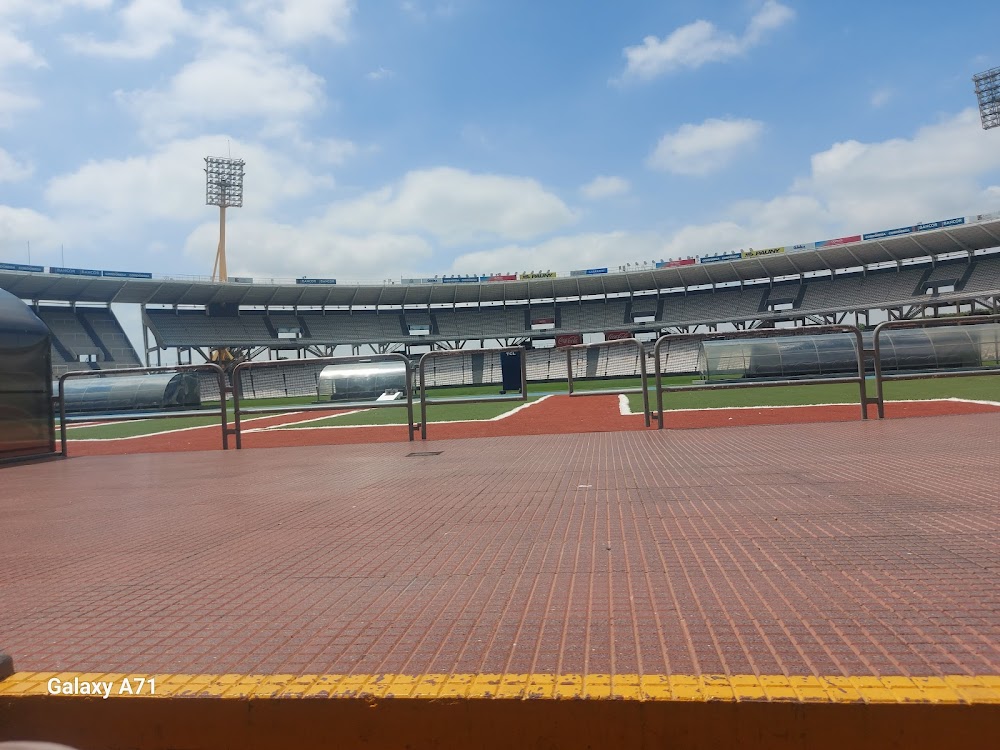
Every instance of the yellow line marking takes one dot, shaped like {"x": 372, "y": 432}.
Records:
{"x": 951, "y": 689}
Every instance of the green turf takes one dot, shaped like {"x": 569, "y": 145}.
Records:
{"x": 435, "y": 413}
{"x": 983, "y": 388}
{"x": 133, "y": 428}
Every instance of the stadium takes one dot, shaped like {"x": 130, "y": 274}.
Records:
{"x": 731, "y": 497}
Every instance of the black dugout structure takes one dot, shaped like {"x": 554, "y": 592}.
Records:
{"x": 27, "y": 419}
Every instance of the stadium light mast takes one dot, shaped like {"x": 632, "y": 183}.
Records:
{"x": 988, "y": 92}
{"x": 223, "y": 188}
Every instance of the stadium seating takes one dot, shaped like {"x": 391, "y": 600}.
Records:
{"x": 92, "y": 333}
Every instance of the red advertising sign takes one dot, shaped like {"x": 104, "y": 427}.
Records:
{"x": 681, "y": 262}
{"x": 615, "y": 335}
{"x": 503, "y": 277}
{"x": 543, "y": 321}
{"x": 568, "y": 339}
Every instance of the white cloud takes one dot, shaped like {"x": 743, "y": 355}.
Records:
{"x": 17, "y": 52}
{"x": 228, "y": 85}
{"x": 457, "y": 206}
{"x": 293, "y": 21}
{"x": 148, "y": 26}
{"x": 604, "y": 186}
{"x": 12, "y": 170}
{"x": 880, "y": 97}
{"x": 379, "y": 74}
{"x": 18, "y": 227}
{"x": 13, "y": 104}
{"x": 703, "y": 148}
{"x": 700, "y": 42}
{"x": 169, "y": 185}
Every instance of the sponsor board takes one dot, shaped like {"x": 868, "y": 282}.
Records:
{"x": 568, "y": 339}
{"x": 424, "y": 280}
{"x": 315, "y": 281}
{"x": 539, "y": 275}
{"x": 617, "y": 335}
{"x": 676, "y": 263}
{"x": 983, "y": 217}
{"x": 549, "y": 321}
{"x": 719, "y": 258}
{"x": 589, "y": 272}
{"x": 941, "y": 224}
{"x": 887, "y": 233}
{"x": 127, "y": 275}
{"x": 245, "y": 279}
{"x": 801, "y": 248}
{"x": 500, "y": 277}
{"x": 839, "y": 241}
{"x": 459, "y": 279}
{"x": 21, "y": 267}
{"x": 74, "y": 271}
{"x": 765, "y": 251}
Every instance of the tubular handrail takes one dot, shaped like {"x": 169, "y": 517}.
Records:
{"x": 242, "y": 367}
{"x": 644, "y": 388}
{"x": 760, "y": 333}
{"x": 891, "y": 325}
{"x": 80, "y": 374}
{"x": 439, "y": 353}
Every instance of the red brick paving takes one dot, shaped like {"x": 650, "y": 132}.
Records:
{"x": 842, "y": 548}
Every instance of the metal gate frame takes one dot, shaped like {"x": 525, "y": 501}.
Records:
{"x": 644, "y": 389}
{"x": 762, "y": 333}
{"x": 239, "y": 411}
{"x": 889, "y": 325}
{"x": 81, "y": 374}
{"x": 438, "y": 353}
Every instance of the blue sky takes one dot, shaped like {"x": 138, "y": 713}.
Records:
{"x": 414, "y": 137}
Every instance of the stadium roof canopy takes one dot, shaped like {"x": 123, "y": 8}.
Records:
{"x": 174, "y": 291}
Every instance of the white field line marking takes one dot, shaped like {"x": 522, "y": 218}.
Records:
{"x": 624, "y": 406}
{"x": 216, "y": 426}
{"x": 810, "y": 406}
{"x": 306, "y": 421}
{"x": 292, "y": 425}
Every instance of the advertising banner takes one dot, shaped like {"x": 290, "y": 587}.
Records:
{"x": 941, "y": 224}
{"x": 568, "y": 339}
{"x": 418, "y": 281}
{"x": 126, "y": 275}
{"x": 500, "y": 277}
{"x": 243, "y": 279}
{"x": 802, "y": 247}
{"x": 676, "y": 263}
{"x": 719, "y": 258}
{"x": 765, "y": 251}
{"x": 539, "y": 275}
{"x": 839, "y": 241}
{"x": 982, "y": 217}
{"x": 617, "y": 335}
{"x": 21, "y": 267}
{"x": 589, "y": 272}
{"x": 74, "y": 271}
{"x": 549, "y": 321}
{"x": 315, "y": 281}
{"x": 459, "y": 279}
{"x": 887, "y": 233}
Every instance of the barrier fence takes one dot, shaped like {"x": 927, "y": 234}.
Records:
{"x": 131, "y": 416}
{"x": 643, "y": 388}
{"x": 442, "y": 353}
{"x": 761, "y": 334}
{"x": 891, "y": 325}
{"x": 239, "y": 411}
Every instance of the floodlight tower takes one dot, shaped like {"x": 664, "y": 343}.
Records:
{"x": 223, "y": 188}
{"x": 988, "y": 91}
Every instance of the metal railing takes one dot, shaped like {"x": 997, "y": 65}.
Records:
{"x": 760, "y": 333}
{"x": 440, "y": 353}
{"x": 890, "y": 325}
{"x": 239, "y": 411}
{"x": 643, "y": 389}
{"x": 80, "y": 374}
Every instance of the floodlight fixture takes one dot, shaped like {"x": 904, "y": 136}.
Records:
{"x": 988, "y": 92}
{"x": 223, "y": 188}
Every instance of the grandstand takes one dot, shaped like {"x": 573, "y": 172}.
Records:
{"x": 900, "y": 273}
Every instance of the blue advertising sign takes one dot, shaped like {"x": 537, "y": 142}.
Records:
{"x": 74, "y": 271}
{"x": 589, "y": 272}
{"x": 719, "y": 258}
{"x": 126, "y": 275}
{"x": 887, "y": 233}
{"x": 459, "y": 279}
{"x": 315, "y": 281}
{"x": 21, "y": 267}
{"x": 940, "y": 224}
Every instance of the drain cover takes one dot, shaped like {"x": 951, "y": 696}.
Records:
{"x": 424, "y": 453}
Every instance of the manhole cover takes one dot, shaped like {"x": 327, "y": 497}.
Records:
{"x": 424, "y": 453}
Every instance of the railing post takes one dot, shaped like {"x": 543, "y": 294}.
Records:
{"x": 234, "y": 376}
{"x": 62, "y": 414}
{"x": 644, "y": 381}
{"x": 569, "y": 369}
{"x": 659, "y": 382}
